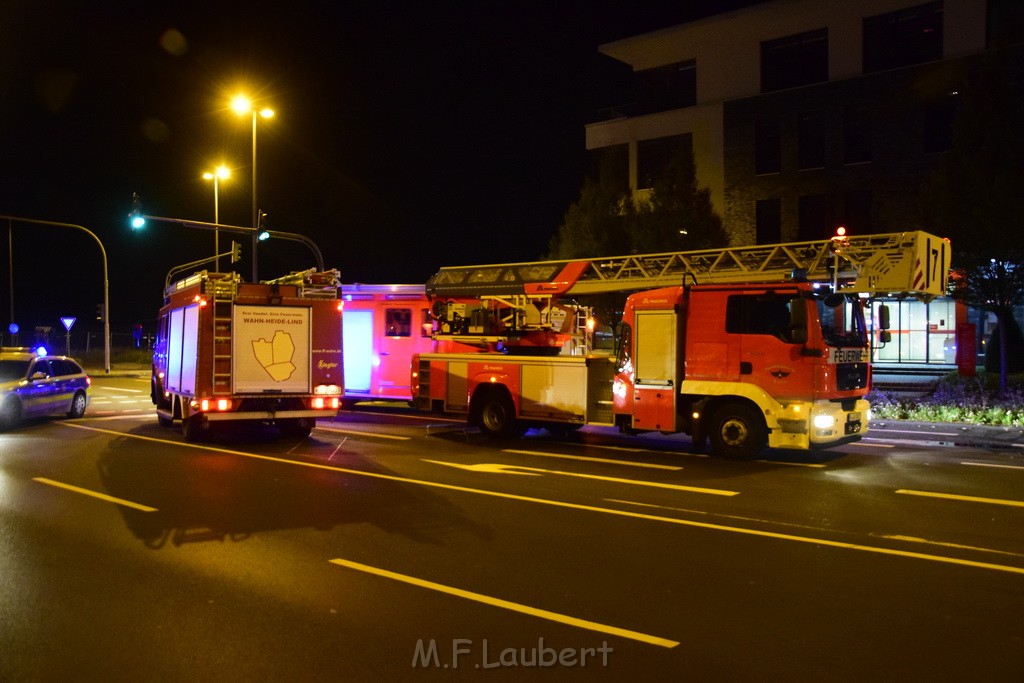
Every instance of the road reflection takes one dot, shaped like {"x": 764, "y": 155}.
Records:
{"x": 211, "y": 496}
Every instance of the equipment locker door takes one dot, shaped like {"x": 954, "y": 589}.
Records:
{"x": 654, "y": 396}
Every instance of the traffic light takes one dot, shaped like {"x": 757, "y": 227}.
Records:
{"x": 236, "y": 252}
{"x": 101, "y": 312}
{"x": 135, "y": 218}
{"x": 262, "y": 234}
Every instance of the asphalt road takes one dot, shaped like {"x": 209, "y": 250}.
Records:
{"x": 400, "y": 546}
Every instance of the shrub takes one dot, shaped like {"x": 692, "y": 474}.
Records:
{"x": 974, "y": 400}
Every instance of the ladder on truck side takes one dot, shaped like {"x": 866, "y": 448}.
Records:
{"x": 908, "y": 263}
{"x": 222, "y": 291}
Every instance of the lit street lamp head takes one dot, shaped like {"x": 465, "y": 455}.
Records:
{"x": 221, "y": 172}
{"x": 241, "y": 104}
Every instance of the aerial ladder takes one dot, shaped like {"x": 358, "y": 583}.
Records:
{"x": 516, "y": 304}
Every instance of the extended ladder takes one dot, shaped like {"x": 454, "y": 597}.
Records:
{"x": 907, "y": 263}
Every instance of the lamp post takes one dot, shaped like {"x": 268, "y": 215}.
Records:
{"x": 221, "y": 171}
{"x": 243, "y": 105}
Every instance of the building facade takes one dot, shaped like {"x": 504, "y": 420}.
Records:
{"x": 806, "y": 115}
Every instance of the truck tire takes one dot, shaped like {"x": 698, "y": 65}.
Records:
{"x": 737, "y": 431}
{"x": 298, "y": 428}
{"x": 194, "y": 429}
{"x": 497, "y": 417}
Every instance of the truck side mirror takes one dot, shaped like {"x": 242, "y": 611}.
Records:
{"x": 884, "y": 336}
{"x": 798, "y": 321}
{"x": 883, "y": 317}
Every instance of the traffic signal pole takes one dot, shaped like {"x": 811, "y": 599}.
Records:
{"x": 106, "y": 280}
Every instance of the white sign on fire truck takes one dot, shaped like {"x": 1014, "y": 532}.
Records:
{"x": 270, "y": 349}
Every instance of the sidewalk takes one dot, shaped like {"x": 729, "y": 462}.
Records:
{"x": 951, "y": 433}
{"x": 119, "y": 370}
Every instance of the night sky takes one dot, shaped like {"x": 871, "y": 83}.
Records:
{"x": 408, "y": 135}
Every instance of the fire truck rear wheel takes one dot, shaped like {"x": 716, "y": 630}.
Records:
{"x": 298, "y": 428}
{"x": 737, "y": 431}
{"x": 194, "y": 429}
{"x": 497, "y": 415}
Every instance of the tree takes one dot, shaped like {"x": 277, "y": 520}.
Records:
{"x": 594, "y": 225}
{"x": 607, "y": 221}
{"x": 678, "y": 216}
{"x": 974, "y": 196}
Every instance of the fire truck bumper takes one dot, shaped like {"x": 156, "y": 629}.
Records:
{"x": 269, "y": 415}
{"x": 820, "y": 424}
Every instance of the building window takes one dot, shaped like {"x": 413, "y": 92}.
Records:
{"x": 813, "y": 220}
{"x": 768, "y": 216}
{"x": 921, "y": 333}
{"x": 901, "y": 38}
{"x": 857, "y": 211}
{"x": 653, "y": 157}
{"x": 793, "y": 61}
{"x": 610, "y": 166}
{"x": 937, "y": 124}
{"x": 669, "y": 87}
{"x": 812, "y": 141}
{"x": 856, "y": 134}
{"x": 767, "y": 147}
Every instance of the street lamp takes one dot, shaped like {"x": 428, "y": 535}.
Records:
{"x": 243, "y": 105}
{"x": 216, "y": 175}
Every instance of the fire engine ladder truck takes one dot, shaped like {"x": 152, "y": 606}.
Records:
{"x": 311, "y": 283}
{"x": 221, "y": 291}
{"x": 899, "y": 264}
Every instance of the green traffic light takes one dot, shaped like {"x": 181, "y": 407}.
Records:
{"x": 137, "y": 222}
{"x": 263, "y": 236}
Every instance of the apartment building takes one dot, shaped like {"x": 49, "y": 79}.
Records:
{"x": 804, "y": 115}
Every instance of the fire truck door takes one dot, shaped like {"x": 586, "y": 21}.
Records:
{"x": 654, "y": 396}
{"x": 396, "y": 348}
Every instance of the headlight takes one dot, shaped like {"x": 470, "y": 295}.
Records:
{"x": 824, "y": 421}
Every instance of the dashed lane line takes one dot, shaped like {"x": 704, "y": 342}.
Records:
{"x": 94, "y": 494}
{"x": 811, "y": 540}
{"x": 507, "y": 605}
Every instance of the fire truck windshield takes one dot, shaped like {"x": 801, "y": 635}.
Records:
{"x": 842, "y": 321}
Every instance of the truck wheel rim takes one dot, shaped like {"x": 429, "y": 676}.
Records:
{"x": 734, "y": 432}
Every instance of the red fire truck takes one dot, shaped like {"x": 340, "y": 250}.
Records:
{"x": 384, "y": 326}
{"x": 748, "y": 347}
{"x": 229, "y": 352}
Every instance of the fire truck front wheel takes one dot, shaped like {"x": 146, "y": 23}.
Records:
{"x": 737, "y": 431}
{"x": 496, "y": 415}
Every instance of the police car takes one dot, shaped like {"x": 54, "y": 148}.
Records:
{"x": 34, "y": 384}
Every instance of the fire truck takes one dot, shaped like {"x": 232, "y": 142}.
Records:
{"x": 229, "y": 352}
{"x": 747, "y": 347}
{"x": 384, "y": 326}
